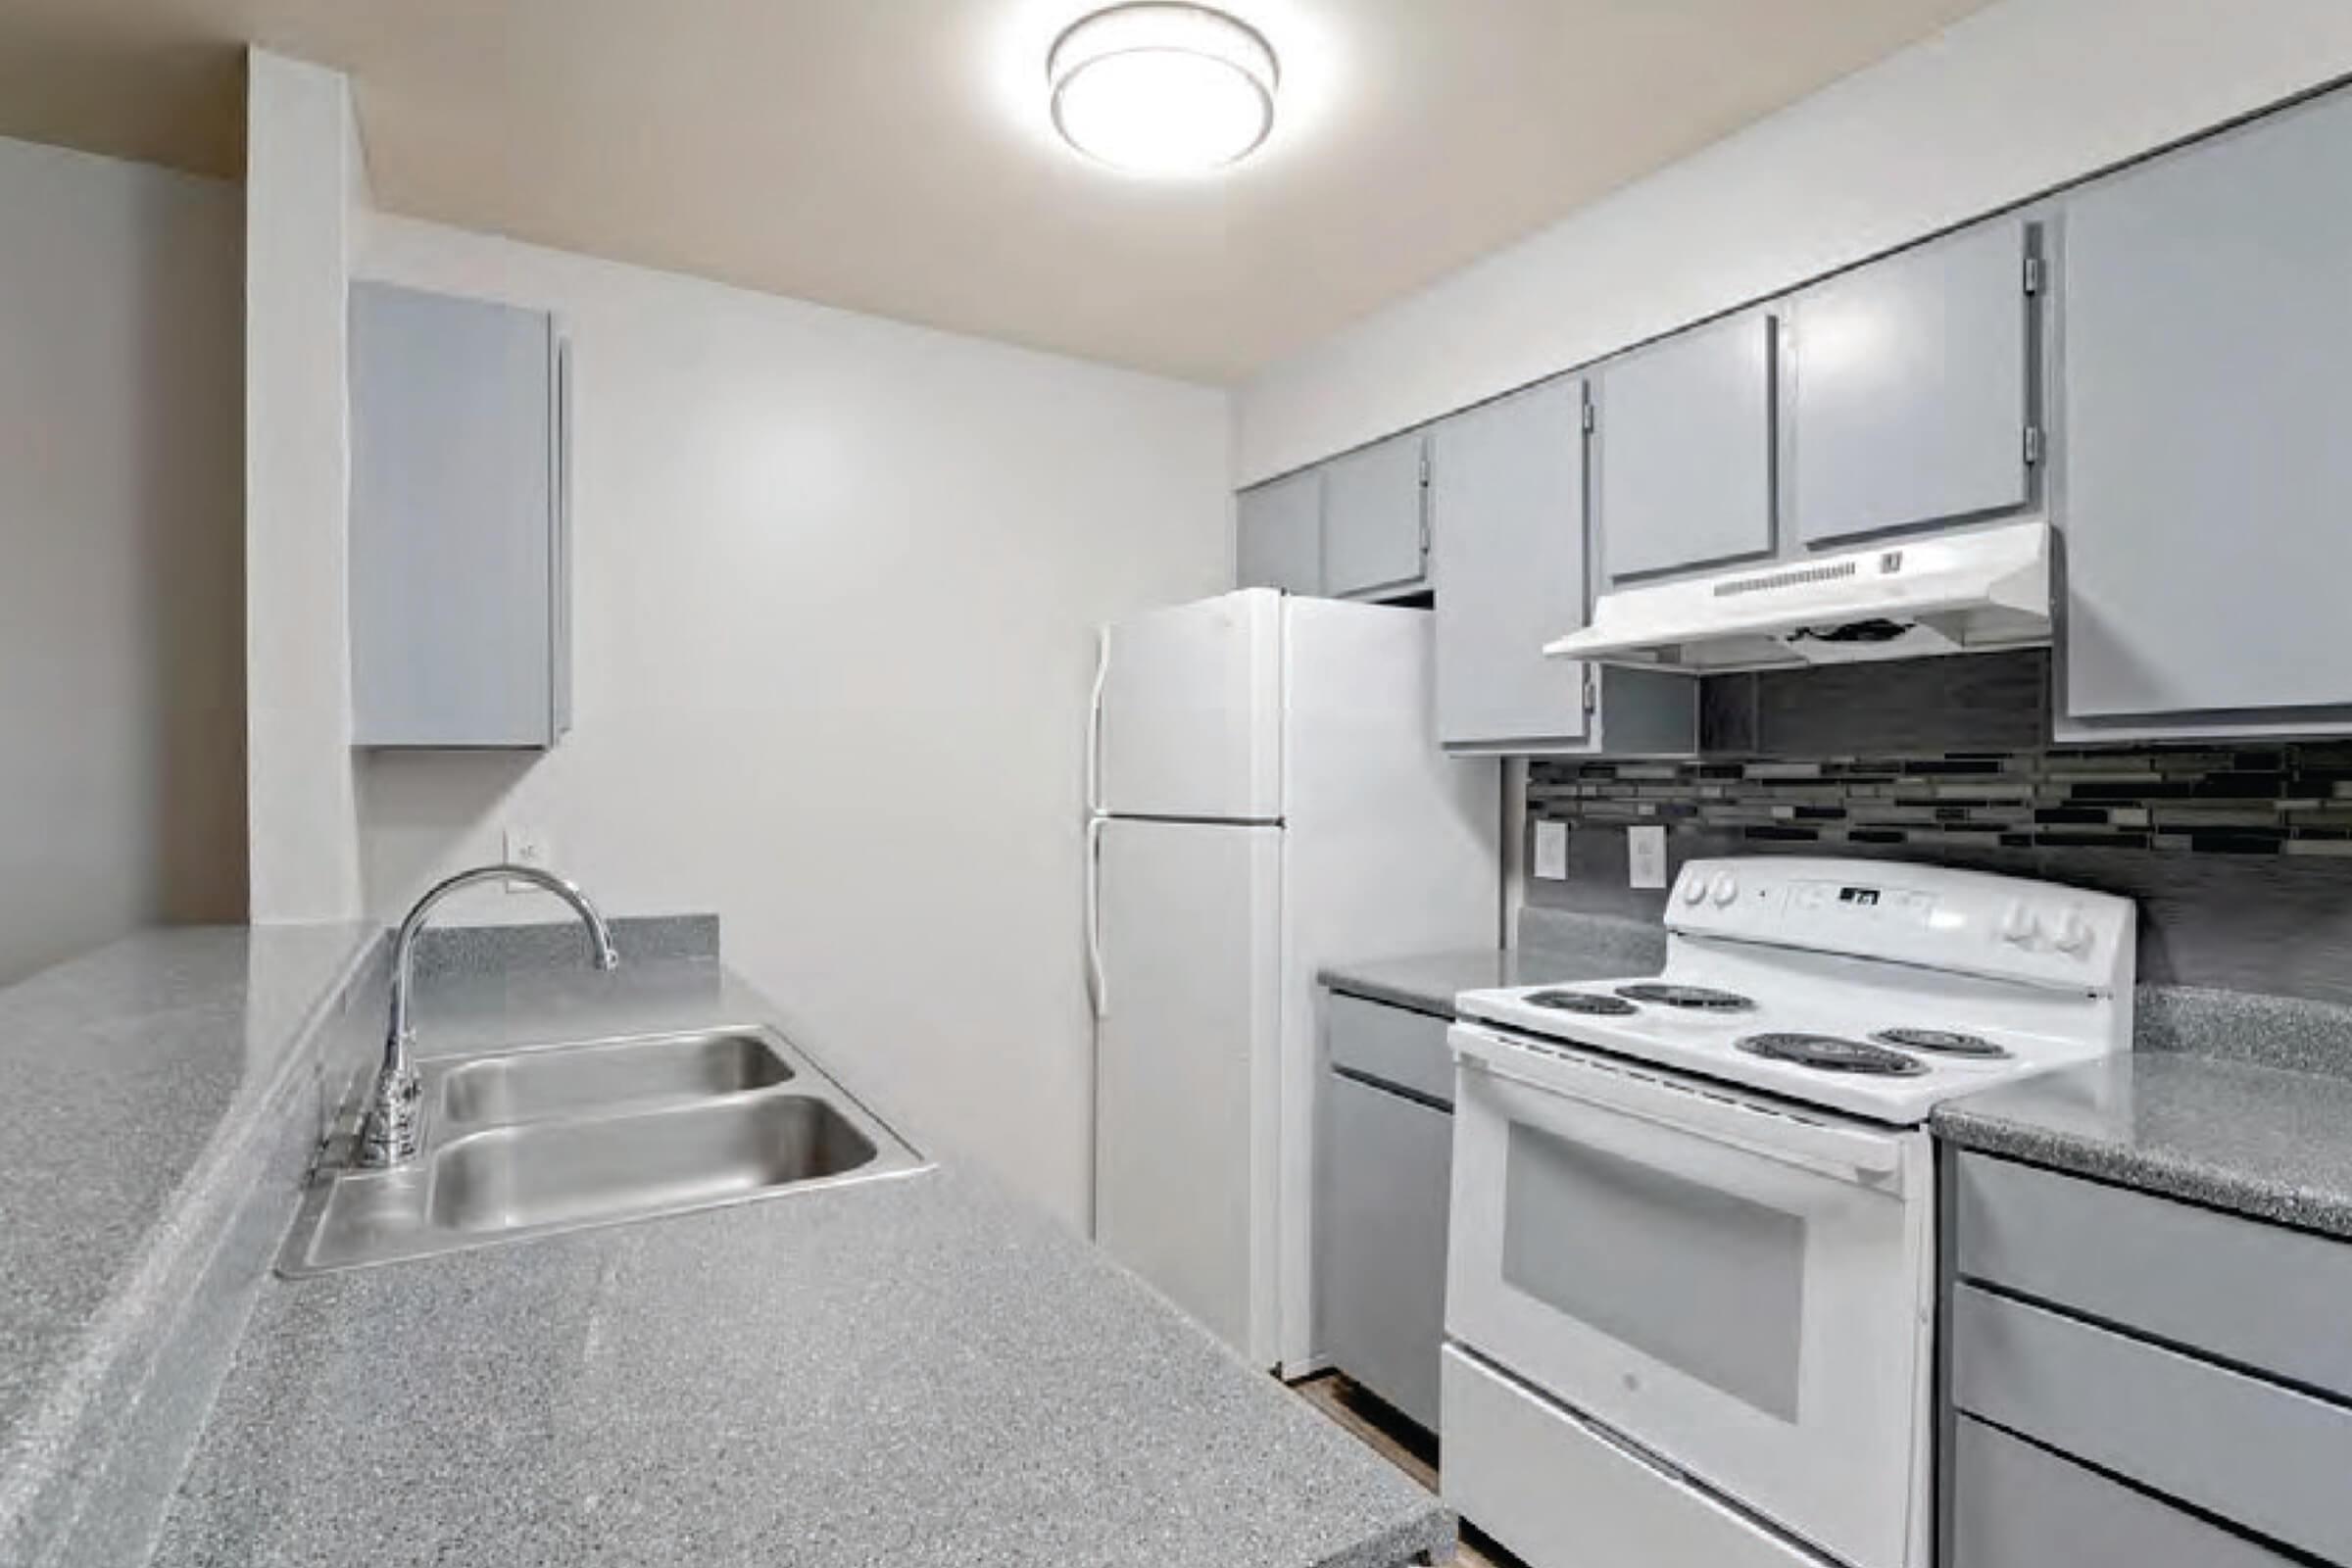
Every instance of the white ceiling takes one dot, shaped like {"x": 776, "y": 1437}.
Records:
{"x": 892, "y": 156}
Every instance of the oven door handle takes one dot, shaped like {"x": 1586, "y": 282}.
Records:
{"x": 1858, "y": 1157}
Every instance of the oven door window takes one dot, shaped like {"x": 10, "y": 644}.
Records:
{"x": 1651, "y": 1259}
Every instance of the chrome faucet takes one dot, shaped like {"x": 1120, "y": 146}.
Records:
{"x": 389, "y": 1135}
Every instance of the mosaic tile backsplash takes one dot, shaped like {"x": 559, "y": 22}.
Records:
{"x": 2277, "y": 800}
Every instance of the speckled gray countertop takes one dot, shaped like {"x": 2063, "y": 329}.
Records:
{"x": 1554, "y": 947}
{"x": 917, "y": 1371}
{"x": 133, "y": 1073}
{"x": 2239, "y": 1102}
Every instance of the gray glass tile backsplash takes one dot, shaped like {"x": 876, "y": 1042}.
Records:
{"x": 2239, "y": 856}
{"x": 2290, "y": 799}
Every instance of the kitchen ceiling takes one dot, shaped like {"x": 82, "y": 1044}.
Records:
{"x": 895, "y": 156}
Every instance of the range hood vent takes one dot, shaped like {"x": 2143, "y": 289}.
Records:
{"x": 1960, "y": 593}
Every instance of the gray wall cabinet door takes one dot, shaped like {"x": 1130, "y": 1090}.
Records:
{"x": 457, "y": 548}
{"x": 2207, "y": 327}
{"x": 1684, "y": 449}
{"x": 1391, "y": 1169}
{"x": 1278, "y": 540}
{"x": 1507, "y": 536}
{"x": 1374, "y": 539}
{"x": 1908, "y": 388}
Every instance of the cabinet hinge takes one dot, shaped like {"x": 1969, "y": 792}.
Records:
{"x": 2032, "y": 274}
{"x": 1592, "y": 690}
{"x": 1588, "y": 420}
{"x": 2032, "y": 444}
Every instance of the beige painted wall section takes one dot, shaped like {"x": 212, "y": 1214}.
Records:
{"x": 122, "y": 784}
{"x": 836, "y": 581}
{"x": 304, "y": 187}
{"x": 2021, "y": 96}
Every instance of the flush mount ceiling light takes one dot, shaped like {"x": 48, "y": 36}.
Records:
{"x": 1162, "y": 89}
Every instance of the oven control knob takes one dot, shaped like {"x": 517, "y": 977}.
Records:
{"x": 2020, "y": 925}
{"x": 1695, "y": 888}
{"x": 1723, "y": 889}
{"x": 2073, "y": 934}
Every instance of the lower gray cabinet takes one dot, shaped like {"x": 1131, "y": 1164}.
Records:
{"x": 2129, "y": 1380}
{"x": 2022, "y": 1507}
{"x": 1387, "y": 1173}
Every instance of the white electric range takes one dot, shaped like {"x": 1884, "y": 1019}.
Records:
{"x": 1690, "y": 1290}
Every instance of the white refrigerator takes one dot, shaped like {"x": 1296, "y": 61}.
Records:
{"x": 1266, "y": 795}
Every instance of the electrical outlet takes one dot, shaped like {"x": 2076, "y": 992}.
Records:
{"x": 525, "y": 847}
{"x": 1552, "y": 851}
{"x": 1646, "y": 856}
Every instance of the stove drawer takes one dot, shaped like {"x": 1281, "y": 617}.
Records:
{"x": 2164, "y": 1268}
{"x": 1561, "y": 1493}
{"x": 2266, "y": 1458}
{"x": 2017, "y": 1506}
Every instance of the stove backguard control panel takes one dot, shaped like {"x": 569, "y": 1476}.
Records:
{"x": 1970, "y": 921}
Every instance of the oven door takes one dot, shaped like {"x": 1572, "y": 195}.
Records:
{"x": 1740, "y": 1290}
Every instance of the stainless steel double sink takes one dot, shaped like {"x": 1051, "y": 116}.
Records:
{"x": 550, "y": 1137}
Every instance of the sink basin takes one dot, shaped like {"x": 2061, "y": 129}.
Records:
{"x": 563, "y": 1080}
{"x": 556, "y": 1173}
{"x": 555, "y": 1138}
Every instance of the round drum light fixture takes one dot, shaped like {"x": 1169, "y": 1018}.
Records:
{"x": 1159, "y": 88}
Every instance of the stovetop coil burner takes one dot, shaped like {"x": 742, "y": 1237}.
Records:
{"x": 1830, "y": 1053}
{"x": 1941, "y": 1042}
{"x": 1590, "y": 1003}
{"x": 1691, "y": 998}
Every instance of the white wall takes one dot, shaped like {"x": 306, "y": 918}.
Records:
{"x": 120, "y": 667}
{"x": 305, "y": 188}
{"x": 2021, "y": 96}
{"x": 836, "y": 580}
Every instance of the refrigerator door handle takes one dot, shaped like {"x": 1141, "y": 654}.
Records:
{"x": 1094, "y": 723}
{"x": 1097, "y": 991}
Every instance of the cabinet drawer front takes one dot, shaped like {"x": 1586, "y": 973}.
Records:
{"x": 1394, "y": 1045}
{"x": 2169, "y": 1270}
{"x": 1554, "y": 1490}
{"x": 2017, "y": 1506}
{"x": 2258, "y": 1455}
{"x": 1391, "y": 1169}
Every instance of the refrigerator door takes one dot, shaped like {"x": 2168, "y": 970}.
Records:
{"x": 1187, "y": 1072}
{"x": 1190, "y": 717}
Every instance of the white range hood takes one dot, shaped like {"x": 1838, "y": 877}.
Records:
{"x": 1957, "y": 593}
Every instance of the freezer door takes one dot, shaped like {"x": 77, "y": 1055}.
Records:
{"x": 1186, "y": 1073}
{"x": 1191, "y": 714}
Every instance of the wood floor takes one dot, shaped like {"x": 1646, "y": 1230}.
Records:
{"x": 1401, "y": 1443}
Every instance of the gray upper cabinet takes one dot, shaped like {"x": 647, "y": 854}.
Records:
{"x": 2206, "y": 329}
{"x": 1279, "y": 534}
{"x": 1908, "y": 388}
{"x": 459, "y": 565}
{"x": 1375, "y": 529}
{"x": 1507, "y": 527}
{"x": 1683, "y": 449}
